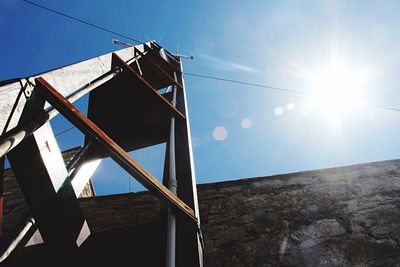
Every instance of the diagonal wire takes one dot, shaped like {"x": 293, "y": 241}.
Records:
{"x": 64, "y": 131}
{"x": 263, "y": 86}
{"x": 193, "y": 74}
{"x": 81, "y": 21}
{"x": 248, "y": 83}
{"x": 282, "y": 89}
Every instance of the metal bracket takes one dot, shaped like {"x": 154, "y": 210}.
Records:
{"x": 157, "y": 65}
{"x": 137, "y": 60}
{"x": 28, "y": 85}
{"x": 200, "y": 233}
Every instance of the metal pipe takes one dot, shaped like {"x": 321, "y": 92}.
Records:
{"x": 115, "y": 41}
{"x": 172, "y": 186}
{"x": 15, "y": 137}
{"x": 194, "y": 188}
{"x": 87, "y": 88}
{"x": 17, "y": 239}
{"x": 184, "y": 56}
{"x": 77, "y": 157}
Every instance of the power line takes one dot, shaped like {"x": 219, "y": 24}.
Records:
{"x": 380, "y": 106}
{"x": 64, "y": 131}
{"x": 281, "y": 89}
{"x": 81, "y": 21}
{"x": 248, "y": 83}
{"x": 262, "y": 86}
{"x": 191, "y": 74}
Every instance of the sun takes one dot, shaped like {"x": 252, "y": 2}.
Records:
{"x": 336, "y": 89}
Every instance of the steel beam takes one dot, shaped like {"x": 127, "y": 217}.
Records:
{"x": 127, "y": 69}
{"x": 157, "y": 66}
{"x": 102, "y": 79}
{"x": 43, "y": 179}
{"x": 188, "y": 239}
{"x": 78, "y": 170}
{"x": 116, "y": 152}
{"x": 12, "y": 138}
{"x": 173, "y": 57}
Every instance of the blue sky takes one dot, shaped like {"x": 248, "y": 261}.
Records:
{"x": 278, "y": 43}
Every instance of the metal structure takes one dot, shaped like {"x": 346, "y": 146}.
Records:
{"x": 136, "y": 99}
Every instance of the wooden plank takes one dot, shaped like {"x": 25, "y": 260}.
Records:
{"x": 163, "y": 101}
{"x": 117, "y": 153}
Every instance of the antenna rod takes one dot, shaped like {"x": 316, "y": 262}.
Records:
{"x": 115, "y": 41}
{"x": 184, "y": 56}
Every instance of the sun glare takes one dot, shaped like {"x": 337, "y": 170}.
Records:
{"x": 335, "y": 90}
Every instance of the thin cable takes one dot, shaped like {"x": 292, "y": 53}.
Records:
{"x": 64, "y": 131}
{"x": 193, "y": 79}
{"x": 262, "y": 86}
{"x": 247, "y": 83}
{"x": 380, "y": 106}
{"x": 192, "y": 74}
{"x": 283, "y": 90}
{"x": 81, "y": 21}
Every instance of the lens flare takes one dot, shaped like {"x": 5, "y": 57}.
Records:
{"x": 335, "y": 90}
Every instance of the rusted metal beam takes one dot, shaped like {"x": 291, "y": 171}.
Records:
{"x": 158, "y": 67}
{"x": 127, "y": 69}
{"x": 117, "y": 153}
{"x": 168, "y": 57}
{"x": 12, "y": 138}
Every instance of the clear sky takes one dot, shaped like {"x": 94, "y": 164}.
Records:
{"x": 350, "y": 47}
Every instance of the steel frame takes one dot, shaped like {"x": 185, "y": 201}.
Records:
{"x": 189, "y": 214}
{"x": 80, "y": 121}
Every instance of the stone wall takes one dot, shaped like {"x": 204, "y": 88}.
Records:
{"x": 336, "y": 217}
{"x": 105, "y": 213}
{"x": 348, "y": 216}
{"x": 15, "y": 209}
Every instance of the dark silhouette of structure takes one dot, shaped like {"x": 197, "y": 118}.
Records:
{"x": 136, "y": 99}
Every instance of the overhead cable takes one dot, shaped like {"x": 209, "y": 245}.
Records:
{"x": 192, "y": 74}
{"x": 82, "y": 21}
{"x": 281, "y": 89}
{"x": 64, "y": 131}
{"x": 248, "y": 83}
